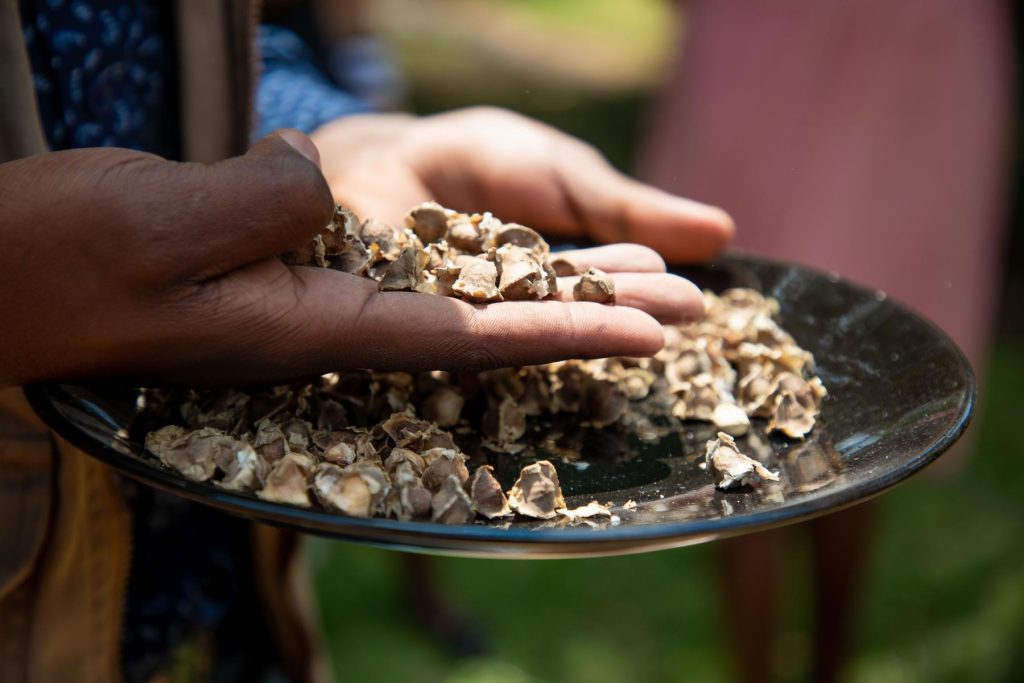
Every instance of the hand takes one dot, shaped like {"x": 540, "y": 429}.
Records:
{"x": 485, "y": 159}
{"x": 115, "y": 263}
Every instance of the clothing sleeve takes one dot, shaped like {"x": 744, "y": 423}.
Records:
{"x": 293, "y": 92}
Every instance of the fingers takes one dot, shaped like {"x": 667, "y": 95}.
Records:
{"x": 445, "y": 333}
{"x": 640, "y": 281}
{"x": 531, "y": 173}
{"x": 414, "y": 331}
{"x": 615, "y": 258}
{"x": 359, "y": 151}
{"x": 613, "y": 208}
{"x": 362, "y": 190}
{"x": 537, "y": 175}
{"x": 318, "y": 320}
{"x": 668, "y": 298}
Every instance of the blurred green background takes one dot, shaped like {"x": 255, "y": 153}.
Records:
{"x": 944, "y": 594}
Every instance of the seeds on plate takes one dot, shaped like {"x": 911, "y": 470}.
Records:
{"x": 366, "y": 443}
{"x": 732, "y": 468}
{"x": 474, "y": 257}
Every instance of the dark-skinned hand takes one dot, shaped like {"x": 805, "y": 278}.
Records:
{"x": 116, "y": 263}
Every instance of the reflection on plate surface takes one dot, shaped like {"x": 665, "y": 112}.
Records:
{"x": 900, "y": 393}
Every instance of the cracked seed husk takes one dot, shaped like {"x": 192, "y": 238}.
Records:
{"x": 732, "y": 468}
{"x": 451, "y": 505}
{"x": 594, "y": 285}
{"x": 485, "y": 492}
{"x": 536, "y": 492}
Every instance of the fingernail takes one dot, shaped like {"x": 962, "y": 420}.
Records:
{"x": 301, "y": 144}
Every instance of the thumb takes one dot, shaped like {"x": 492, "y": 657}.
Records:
{"x": 613, "y": 207}
{"x": 300, "y": 142}
{"x": 270, "y": 200}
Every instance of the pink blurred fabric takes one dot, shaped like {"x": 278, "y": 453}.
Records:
{"x": 870, "y": 138}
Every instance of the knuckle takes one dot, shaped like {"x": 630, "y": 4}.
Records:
{"x": 484, "y": 345}
{"x": 570, "y": 325}
{"x": 586, "y": 151}
{"x": 261, "y": 307}
{"x": 486, "y": 119}
{"x": 487, "y": 112}
{"x": 146, "y": 210}
{"x": 482, "y": 355}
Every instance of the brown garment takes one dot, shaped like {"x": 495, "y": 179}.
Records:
{"x": 65, "y": 529}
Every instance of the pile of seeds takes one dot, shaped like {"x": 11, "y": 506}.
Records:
{"x": 367, "y": 444}
{"x": 474, "y": 257}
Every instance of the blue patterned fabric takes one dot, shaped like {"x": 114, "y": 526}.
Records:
{"x": 101, "y": 70}
{"x": 293, "y": 92}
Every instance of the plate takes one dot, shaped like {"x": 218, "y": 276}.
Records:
{"x": 900, "y": 393}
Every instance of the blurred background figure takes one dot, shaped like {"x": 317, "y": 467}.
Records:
{"x": 871, "y": 139}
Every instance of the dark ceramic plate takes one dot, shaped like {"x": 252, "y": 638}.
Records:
{"x": 900, "y": 393}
